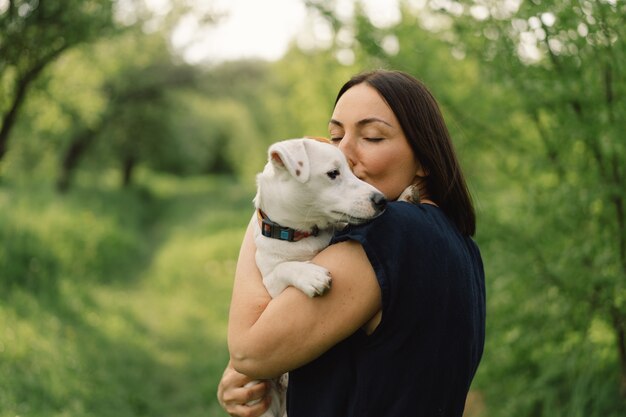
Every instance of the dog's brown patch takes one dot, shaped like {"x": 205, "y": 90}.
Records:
{"x": 318, "y": 138}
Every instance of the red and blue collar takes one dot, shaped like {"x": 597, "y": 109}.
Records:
{"x": 276, "y": 231}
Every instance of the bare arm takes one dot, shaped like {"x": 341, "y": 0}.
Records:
{"x": 267, "y": 336}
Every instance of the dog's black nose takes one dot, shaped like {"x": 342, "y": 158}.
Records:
{"x": 378, "y": 201}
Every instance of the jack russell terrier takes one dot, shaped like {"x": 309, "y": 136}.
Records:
{"x": 305, "y": 192}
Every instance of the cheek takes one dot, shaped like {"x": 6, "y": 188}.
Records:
{"x": 379, "y": 168}
{"x": 386, "y": 178}
{"x": 393, "y": 176}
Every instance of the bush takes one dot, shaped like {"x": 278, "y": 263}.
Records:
{"x": 88, "y": 235}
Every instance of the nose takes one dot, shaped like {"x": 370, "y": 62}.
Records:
{"x": 346, "y": 147}
{"x": 379, "y": 202}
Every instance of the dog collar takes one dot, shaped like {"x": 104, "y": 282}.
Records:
{"x": 276, "y": 231}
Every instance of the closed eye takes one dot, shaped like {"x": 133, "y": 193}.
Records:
{"x": 333, "y": 174}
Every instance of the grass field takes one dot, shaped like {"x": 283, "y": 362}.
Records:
{"x": 114, "y": 302}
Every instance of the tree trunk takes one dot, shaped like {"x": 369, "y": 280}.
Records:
{"x": 128, "y": 167}
{"x": 22, "y": 84}
{"x": 619, "y": 325}
{"x": 8, "y": 121}
{"x": 74, "y": 153}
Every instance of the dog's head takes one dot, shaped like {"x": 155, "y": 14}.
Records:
{"x": 307, "y": 182}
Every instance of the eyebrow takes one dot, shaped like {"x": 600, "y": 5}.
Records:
{"x": 362, "y": 122}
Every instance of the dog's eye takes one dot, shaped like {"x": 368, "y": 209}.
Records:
{"x": 333, "y": 174}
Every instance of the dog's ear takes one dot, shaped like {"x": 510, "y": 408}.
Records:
{"x": 291, "y": 155}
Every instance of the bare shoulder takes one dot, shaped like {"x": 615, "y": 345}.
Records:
{"x": 352, "y": 274}
{"x": 345, "y": 260}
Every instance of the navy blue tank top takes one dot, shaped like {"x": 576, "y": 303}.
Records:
{"x": 423, "y": 355}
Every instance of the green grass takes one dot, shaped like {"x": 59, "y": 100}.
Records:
{"x": 115, "y": 302}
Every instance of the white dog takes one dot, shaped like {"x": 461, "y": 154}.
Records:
{"x": 304, "y": 194}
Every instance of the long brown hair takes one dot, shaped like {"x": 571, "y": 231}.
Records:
{"x": 425, "y": 129}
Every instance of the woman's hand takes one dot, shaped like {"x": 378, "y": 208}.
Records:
{"x": 233, "y": 396}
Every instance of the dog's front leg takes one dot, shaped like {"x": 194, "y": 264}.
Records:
{"x": 309, "y": 278}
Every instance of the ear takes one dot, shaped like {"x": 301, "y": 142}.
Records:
{"x": 421, "y": 171}
{"x": 291, "y": 155}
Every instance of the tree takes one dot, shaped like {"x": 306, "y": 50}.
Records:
{"x": 562, "y": 62}
{"x": 33, "y": 34}
{"x": 134, "y": 122}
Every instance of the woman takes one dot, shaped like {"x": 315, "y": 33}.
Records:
{"x": 401, "y": 331}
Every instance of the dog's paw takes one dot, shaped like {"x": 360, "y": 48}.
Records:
{"x": 311, "y": 279}
{"x": 314, "y": 281}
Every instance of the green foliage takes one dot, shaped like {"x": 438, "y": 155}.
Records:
{"x": 138, "y": 331}
{"x": 304, "y": 108}
{"x": 558, "y": 60}
{"x": 35, "y": 218}
{"x": 213, "y": 136}
{"x": 32, "y": 35}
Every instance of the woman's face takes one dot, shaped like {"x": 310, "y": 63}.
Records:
{"x": 367, "y": 131}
